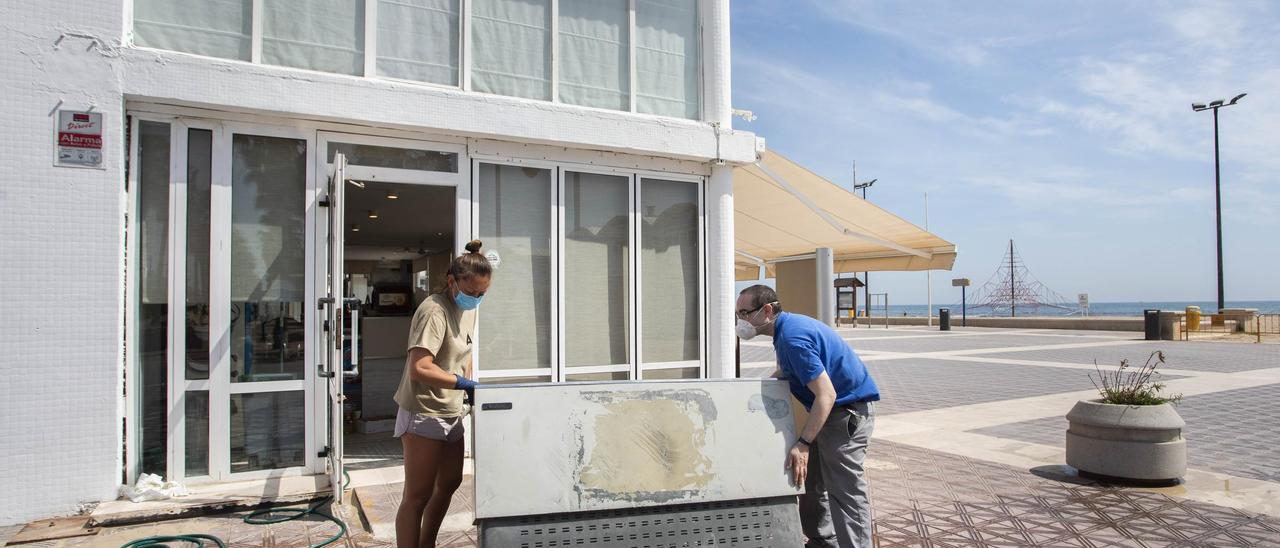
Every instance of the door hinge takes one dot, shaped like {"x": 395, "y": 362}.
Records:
{"x": 325, "y": 326}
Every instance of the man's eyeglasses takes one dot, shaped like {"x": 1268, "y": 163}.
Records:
{"x": 742, "y": 314}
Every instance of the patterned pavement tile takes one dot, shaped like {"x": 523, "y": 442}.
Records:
{"x": 918, "y": 384}
{"x": 1194, "y": 356}
{"x": 916, "y": 506}
{"x": 965, "y": 342}
{"x": 1232, "y": 432}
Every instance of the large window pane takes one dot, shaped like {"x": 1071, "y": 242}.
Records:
{"x": 217, "y": 28}
{"x": 152, "y": 345}
{"x": 597, "y": 267}
{"x": 667, "y": 57}
{"x": 418, "y": 40}
{"x": 267, "y": 430}
{"x": 511, "y": 47}
{"x": 197, "y": 424}
{"x": 324, "y": 35}
{"x": 669, "y": 275}
{"x": 515, "y": 223}
{"x": 268, "y": 185}
{"x": 199, "y": 177}
{"x": 594, "y": 69}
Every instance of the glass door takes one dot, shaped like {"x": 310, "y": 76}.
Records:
{"x": 260, "y": 317}
{"x": 221, "y": 332}
{"x": 334, "y": 303}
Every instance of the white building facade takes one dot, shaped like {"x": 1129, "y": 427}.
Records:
{"x": 167, "y": 292}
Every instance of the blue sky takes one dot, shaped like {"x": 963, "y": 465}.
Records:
{"x": 1065, "y": 126}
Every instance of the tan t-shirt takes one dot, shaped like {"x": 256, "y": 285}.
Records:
{"x": 445, "y": 331}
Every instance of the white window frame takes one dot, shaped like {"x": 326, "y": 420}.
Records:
{"x": 532, "y": 374}
{"x": 465, "y": 47}
{"x": 701, "y": 362}
{"x": 560, "y": 371}
{"x": 632, "y": 341}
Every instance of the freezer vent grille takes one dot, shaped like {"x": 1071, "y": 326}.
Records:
{"x": 757, "y": 522}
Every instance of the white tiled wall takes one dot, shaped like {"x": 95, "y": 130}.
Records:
{"x": 61, "y": 263}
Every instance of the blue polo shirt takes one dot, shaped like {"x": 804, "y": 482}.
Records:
{"x": 807, "y": 347}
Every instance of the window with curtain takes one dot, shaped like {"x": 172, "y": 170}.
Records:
{"x": 217, "y": 28}
{"x": 419, "y": 40}
{"x": 323, "y": 35}
{"x": 667, "y": 58}
{"x": 594, "y": 53}
{"x": 597, "y": 269}
{"x": 515, "y": 222}
{"x": 669, "y": 262}
{"x": 511, "y": 48}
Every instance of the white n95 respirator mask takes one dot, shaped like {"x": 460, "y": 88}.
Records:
{"x": 745, "y": 330}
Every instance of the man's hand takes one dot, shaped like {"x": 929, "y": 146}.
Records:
{"x": 798, "y": 463}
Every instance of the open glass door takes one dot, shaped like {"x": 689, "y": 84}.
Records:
{"x": 333, "y": 304}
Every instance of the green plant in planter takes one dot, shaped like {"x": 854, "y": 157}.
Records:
{"x": 1128, "y": 386}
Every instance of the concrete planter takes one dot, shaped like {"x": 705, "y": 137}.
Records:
{"x": 1140, "y": 443}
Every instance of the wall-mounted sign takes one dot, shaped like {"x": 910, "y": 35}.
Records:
{"x": 78, "y": 139}
{"x": 494, "y": 258}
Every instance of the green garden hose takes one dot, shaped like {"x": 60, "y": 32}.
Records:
{"x": 254, "y": 518}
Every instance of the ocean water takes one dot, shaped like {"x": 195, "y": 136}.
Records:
{"x": 1095, "y": 309}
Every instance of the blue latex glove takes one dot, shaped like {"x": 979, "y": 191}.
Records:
{"x": 467, "y": 385}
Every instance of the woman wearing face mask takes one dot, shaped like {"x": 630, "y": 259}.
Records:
{"x": 431, "y": 397}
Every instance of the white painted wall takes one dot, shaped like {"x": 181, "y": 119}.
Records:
{"x": 62, "y": 230}
{"x": 61, "y": 262}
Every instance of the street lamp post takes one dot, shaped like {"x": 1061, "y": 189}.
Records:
{"x": 866, "y": 276}
{"x": 1217, "y": 181}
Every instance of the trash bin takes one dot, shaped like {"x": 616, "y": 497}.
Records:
{"x": 1151, "y": 324}
{"x": 1193, "y": 318}
{"x": 944, "y": 319}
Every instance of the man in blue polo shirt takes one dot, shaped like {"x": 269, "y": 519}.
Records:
{"x": 834, "y": 385}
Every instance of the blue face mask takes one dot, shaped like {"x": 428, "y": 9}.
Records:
{"x": 465, "y": 301}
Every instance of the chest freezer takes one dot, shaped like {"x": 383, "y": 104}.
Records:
{"x": 655, "y": 463}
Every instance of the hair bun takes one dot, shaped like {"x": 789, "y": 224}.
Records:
{"x": 473, "y": 246}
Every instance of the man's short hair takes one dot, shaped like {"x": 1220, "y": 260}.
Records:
{"x": 761, "y": 295}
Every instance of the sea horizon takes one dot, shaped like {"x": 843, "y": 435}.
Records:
{"x": 1116, "y": 308}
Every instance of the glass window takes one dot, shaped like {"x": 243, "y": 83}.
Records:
{"x": 197, "y": 444}
{"x": 199, "y": 177}
{"x": 667, "y": 58}
{"x": 669, "y": 262}
{"x": 418, "y": 40}
{"x": 594, "y": 52}
{"x": 324, "y": 35}
{"x": 511, "y": 47}
{"x": 597, "y": 269}
{"x": 515, "y": 223}
{"x": 152, "y": 345}
{"x": 267, "y": 430}
{"x": 398, "y": 158}
{"x": 268, "y": 186}
{"x": 217, "y": 28}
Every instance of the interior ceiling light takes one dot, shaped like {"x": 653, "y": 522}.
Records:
{"x": 391, "y": 195}
{"x": 355, "y": 228}
{"x": 373, "y": 214}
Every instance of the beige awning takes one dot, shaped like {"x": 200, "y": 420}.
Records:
{"x": 783, "y": 211}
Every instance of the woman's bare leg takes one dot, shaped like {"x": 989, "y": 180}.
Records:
{"x": 421, "y": 462}
{"x": 448, "y": 478}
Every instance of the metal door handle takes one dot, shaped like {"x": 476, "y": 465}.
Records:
{"x": 355, "y": 335}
